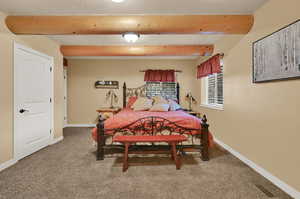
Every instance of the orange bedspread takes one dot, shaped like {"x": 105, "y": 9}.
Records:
{"x": 128, "y": 116}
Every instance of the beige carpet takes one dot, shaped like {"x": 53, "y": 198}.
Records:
{"x": 68, "y": 170}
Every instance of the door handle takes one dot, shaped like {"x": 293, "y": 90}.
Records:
{"x": 23, "y": 110}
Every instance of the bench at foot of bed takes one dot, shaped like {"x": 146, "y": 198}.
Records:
{"x": 172, "y": 140}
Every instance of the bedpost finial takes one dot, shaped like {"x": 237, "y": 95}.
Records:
{"x": 101, "y": 118}
{"x": 124, "y": 95}
{"x": 204, "y": 119}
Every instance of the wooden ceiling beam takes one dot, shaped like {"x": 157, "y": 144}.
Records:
{"x": 173, "y": 50}
{"x": 165, "y": 24}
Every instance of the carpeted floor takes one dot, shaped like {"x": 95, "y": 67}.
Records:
{"x": 68, "y": 170}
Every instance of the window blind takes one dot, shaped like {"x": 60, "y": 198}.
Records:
{"x": 211, "y": 89}
{"x": 215, "y": 88}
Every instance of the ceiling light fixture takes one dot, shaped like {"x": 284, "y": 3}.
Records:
{"x": 131, "y": 37}
{"x": 118, "y": 1}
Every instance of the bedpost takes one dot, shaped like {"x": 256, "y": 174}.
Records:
{"x": 124, "y": 95}
{"x": 100, "y": 138}
{"x": 204, "y": 139}
{"x": 178, "y": 92}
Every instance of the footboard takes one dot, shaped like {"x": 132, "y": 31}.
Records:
{"x": 153, "y": 126}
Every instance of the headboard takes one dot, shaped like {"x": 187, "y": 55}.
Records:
{"x": 142, "y": 92}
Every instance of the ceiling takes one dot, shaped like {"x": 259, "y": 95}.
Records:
{"x": 132, "y": 7}
{"x": 107, "y": 7}
{"x": 143, "y": 40}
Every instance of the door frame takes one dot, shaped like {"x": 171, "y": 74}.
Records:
{"x": 65, "y": 97}
{"x": 17, "y": 46}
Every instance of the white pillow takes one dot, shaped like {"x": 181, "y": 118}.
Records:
{"x": 142, "y": 104}
{"x": 173, "y": 105}
{"x": 159, "y": 100}
{"x": 160, "y": 107}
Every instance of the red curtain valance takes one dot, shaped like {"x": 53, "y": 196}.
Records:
{"x": 209, "y": 67}
{"x": 159, "y": 76}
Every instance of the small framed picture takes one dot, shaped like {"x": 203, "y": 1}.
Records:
{"x": 107, "y": 84}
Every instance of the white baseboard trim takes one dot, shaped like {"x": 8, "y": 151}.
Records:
{"x": 279, "y": 183}
{"x": 11, "y": 162}
{"x": 56, "y": 140}
{"x": 7, "y": 164}
{"x": 80, "y": 125}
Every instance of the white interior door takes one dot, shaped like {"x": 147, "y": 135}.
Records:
{"x": 33, "y": 100}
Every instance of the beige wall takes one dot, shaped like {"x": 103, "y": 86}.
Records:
{"x": 41, "y": 44}
{"x": 84, "y": 99}
{"x": 260, "y": 121}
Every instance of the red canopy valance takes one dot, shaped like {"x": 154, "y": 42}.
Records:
{"x": 159, "y": 76}
{"x": 209, "y": 67}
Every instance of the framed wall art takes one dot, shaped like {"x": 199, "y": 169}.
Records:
{"x": 277, "y": 56}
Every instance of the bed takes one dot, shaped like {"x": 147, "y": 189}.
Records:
{"x": 129, "y": 122}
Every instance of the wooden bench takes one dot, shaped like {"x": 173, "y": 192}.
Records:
{"x": 172, "y": 140}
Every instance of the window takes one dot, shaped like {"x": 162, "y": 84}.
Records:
{"x": 167, "y": 90}
{"x": 214, "y": 90}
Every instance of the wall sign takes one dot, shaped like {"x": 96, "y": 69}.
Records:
{"x": 277, "y": 56}
{"x": 107, "y": 84}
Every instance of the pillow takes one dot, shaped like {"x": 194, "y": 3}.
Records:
{"x": 159, "y": 100}
{"x": 131, "y": 101}
{"x": 160, "y": 107}
{"x": 173, "y": 105}
{"x": 142, "y": 104}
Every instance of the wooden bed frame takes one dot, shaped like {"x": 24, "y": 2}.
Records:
{"x": 151, "y": 125}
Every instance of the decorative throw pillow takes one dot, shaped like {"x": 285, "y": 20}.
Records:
{"x": 159, "y": 100}
{"x": 160, "y": 107}
{"x": 131, "y": 101}
{"x": 142, "y": 104}
{"x": 173, "y": 105}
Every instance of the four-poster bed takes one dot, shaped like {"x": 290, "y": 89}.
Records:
{"x": 129, "y": 122}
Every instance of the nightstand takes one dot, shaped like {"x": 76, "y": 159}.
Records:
{"x": 108, "y": 112}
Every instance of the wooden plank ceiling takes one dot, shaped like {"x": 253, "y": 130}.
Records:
{"x": 164, "y": 24}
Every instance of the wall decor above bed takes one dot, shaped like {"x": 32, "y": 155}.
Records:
{"x": 167, "y": 90}
{"x": 107, "y": 84}
{"x": 277, "y": 56}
